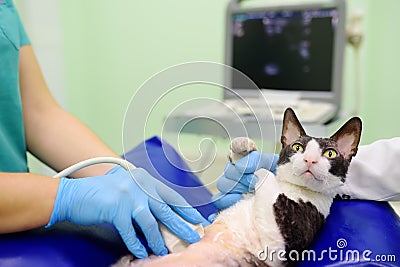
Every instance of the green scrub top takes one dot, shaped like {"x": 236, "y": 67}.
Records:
{"x": 12, "y": 135}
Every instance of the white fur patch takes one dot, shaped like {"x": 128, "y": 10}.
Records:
{"x": 252, "y": 219}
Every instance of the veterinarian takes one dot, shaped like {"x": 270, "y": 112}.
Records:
{"x": 373, "y": 174}
{"x": 31, "y": 120}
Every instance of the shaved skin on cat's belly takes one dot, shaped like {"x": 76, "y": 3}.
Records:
{"x": 216, "y": 248}
{"x": 240, "y": 232}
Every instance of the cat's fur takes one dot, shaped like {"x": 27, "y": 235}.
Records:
{"x": 288, "y": 209}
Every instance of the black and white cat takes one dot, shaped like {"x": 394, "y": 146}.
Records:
{"x": 286, "y": 211}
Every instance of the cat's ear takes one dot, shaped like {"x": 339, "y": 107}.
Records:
{"x": 348, "y": 137}
{"x": 291, "y": 128}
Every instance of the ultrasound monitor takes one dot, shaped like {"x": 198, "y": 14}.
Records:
{"x": 288, "y": 48}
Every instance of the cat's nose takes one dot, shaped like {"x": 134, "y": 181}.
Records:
{"x": 310, "y": 161}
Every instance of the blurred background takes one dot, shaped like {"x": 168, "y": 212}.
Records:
{"x": 96, "y": 54}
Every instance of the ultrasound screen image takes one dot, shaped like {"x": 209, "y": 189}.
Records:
{"x": 285, "y": 50}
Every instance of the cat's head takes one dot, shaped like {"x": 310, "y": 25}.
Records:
{"x": 319, "y": 164}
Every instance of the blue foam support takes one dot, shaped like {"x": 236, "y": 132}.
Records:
{"x": 64, "y": 245}
{"x": 357, "y": 227}
{"x": 162, "y": 161}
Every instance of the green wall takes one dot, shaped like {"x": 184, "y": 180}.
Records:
{"x": 381, "y": 77}
{"x": 111, "y": 48}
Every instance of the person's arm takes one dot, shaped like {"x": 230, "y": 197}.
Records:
{"x": 374, "y": 173}
{"x": 26, "y": 201}
{"x": 53, "y": 135}
{"x": 119, "y": 197}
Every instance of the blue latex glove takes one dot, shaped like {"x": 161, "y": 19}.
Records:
{"x": 239, "y": 178}
{"x": 117, "y": 198}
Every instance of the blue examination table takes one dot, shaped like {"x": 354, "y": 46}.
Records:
{"x": 372, "y": 228}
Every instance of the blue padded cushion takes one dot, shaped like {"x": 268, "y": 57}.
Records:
{"x": 362, "y": 224}
{"x": 357, "y": 227}
{"x": 162, "y": 161}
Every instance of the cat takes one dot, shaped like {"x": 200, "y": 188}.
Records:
{"x": 286, "y": 211}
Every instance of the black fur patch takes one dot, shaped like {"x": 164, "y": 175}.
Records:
{"x": 298, "y": 222}
{"x": 339, "y": 165}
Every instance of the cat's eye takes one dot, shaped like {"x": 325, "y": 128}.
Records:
{"x": 297, "y": 147}
{"x": 330, "y": 153}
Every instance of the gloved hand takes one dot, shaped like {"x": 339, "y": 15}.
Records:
{"x": 239, "y": 178}
{"x": 118, "y": 198}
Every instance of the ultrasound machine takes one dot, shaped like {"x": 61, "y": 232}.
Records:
{"x": 294, "y": 54}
